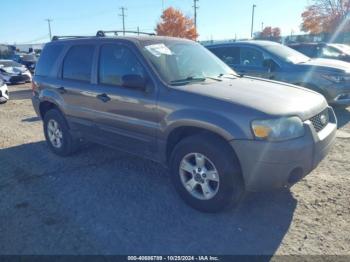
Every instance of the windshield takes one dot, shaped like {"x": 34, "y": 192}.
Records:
{"x": 179, "y": 61}
{"x": 287, "y": 54}
{"x": 10, "y": 64}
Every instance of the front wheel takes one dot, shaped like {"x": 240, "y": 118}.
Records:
{"x": 206, "y": 173}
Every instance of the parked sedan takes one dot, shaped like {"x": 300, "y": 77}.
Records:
{"x": 14, "y": 73}
{"x": 323, "y": 50}
{"x": 271, "y": 60}
{"x": 4, "y": 93}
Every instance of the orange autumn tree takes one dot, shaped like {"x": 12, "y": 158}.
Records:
{"x": 324, "y": 16}
{"x": 269, "y": 33}
{"x": 174, "y": 23}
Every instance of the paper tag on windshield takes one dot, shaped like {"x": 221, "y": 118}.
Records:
{"x": 158, "y": 50}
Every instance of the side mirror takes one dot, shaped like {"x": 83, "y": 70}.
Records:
{"x": 269, "y": 64}
{"x": 134, "y": 81}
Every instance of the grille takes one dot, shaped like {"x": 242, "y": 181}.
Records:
{"x": 320, "y": 121}
{"x": 18, "y": 79}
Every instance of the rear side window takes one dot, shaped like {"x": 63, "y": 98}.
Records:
{"x": 115, "y": 62}
{"x": 77, "y": 64}
{"x": 47, "y": 60}
{"x": 230, "y": 55}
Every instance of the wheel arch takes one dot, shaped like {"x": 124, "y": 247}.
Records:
{"x": 181, "y": 132}
{"x": 186, "y": 123}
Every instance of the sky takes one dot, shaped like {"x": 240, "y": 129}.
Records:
{"x": 23, "y": 21}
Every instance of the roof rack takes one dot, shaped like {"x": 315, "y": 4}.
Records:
{"x": 102, "y": 33}
{"x": 56, "y": 37}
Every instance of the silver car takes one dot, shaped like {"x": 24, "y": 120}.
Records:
{"x": 12, "y": 72}
{"x": 270, "y": 60}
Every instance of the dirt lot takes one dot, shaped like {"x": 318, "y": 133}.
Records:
{"x": 101, "y": 201}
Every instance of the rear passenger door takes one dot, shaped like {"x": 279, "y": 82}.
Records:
{"x": 76, "y": 87}
{"x": 127, "y": 116}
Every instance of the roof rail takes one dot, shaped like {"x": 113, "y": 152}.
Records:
{"x": 56, "y": 37}
{"x": 102, "y": 33}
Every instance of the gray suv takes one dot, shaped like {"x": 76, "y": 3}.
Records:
{"x": 270, "y": 60}
{"x": 172, "y": 101}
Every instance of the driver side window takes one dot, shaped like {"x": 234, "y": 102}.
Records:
{"x": 251, "y": 57}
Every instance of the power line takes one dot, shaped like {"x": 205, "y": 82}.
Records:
{"x": 49, "y": 23}
{"x": 195, "y": 7}
{"x": 123, "y": 17}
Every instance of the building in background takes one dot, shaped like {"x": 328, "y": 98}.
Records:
{"x": 27, "y": 47}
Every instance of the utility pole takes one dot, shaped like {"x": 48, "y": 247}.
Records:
{"x": 195, "y": 13}
{"x": 262, "y": 26}
{"x": 123, "y": 17}
{"x": 49, "y": 23}
{"x": 253, "y": 11}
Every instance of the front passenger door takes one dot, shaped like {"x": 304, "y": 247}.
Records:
{"x": 127, "y": 117}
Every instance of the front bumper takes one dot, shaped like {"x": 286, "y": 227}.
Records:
{"x": 268, "y": 165}
{"x": 17, "y": 79}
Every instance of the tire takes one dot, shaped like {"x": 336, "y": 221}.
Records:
{"x": 217, "y": 153}
{"x": 68, "y": 144}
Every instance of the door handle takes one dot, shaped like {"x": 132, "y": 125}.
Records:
{"x": 62, "y": 90}
{"x": 103, "y": 97}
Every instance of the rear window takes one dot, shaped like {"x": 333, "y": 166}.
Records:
{"x": 77, "y": 64}
{"x": 48, "y": 59}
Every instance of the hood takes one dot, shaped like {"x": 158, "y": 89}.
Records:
{"x": 14, "y": 70}
{"x": 329, "y": 64}
{"x": 270, "y": 97}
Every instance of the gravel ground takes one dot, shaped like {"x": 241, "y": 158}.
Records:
{"x": 101, "y": 201}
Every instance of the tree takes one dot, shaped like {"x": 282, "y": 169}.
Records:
{"x": 324, "y": 16}
{"x": 266, "y": 32}
{"x": 270, "y": 33}
{"x": 276, "y": 32}
{"x": 174, "y": 23}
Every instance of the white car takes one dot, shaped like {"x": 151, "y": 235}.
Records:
{"x": 14, "y": 73}
{"x": 4, "y": 93}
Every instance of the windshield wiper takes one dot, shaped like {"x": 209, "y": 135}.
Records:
{"x": 193, "y": 79}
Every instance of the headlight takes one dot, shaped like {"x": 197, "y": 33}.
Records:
{"x": 278, "y": 129}
{"x": 336, "y": 78}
